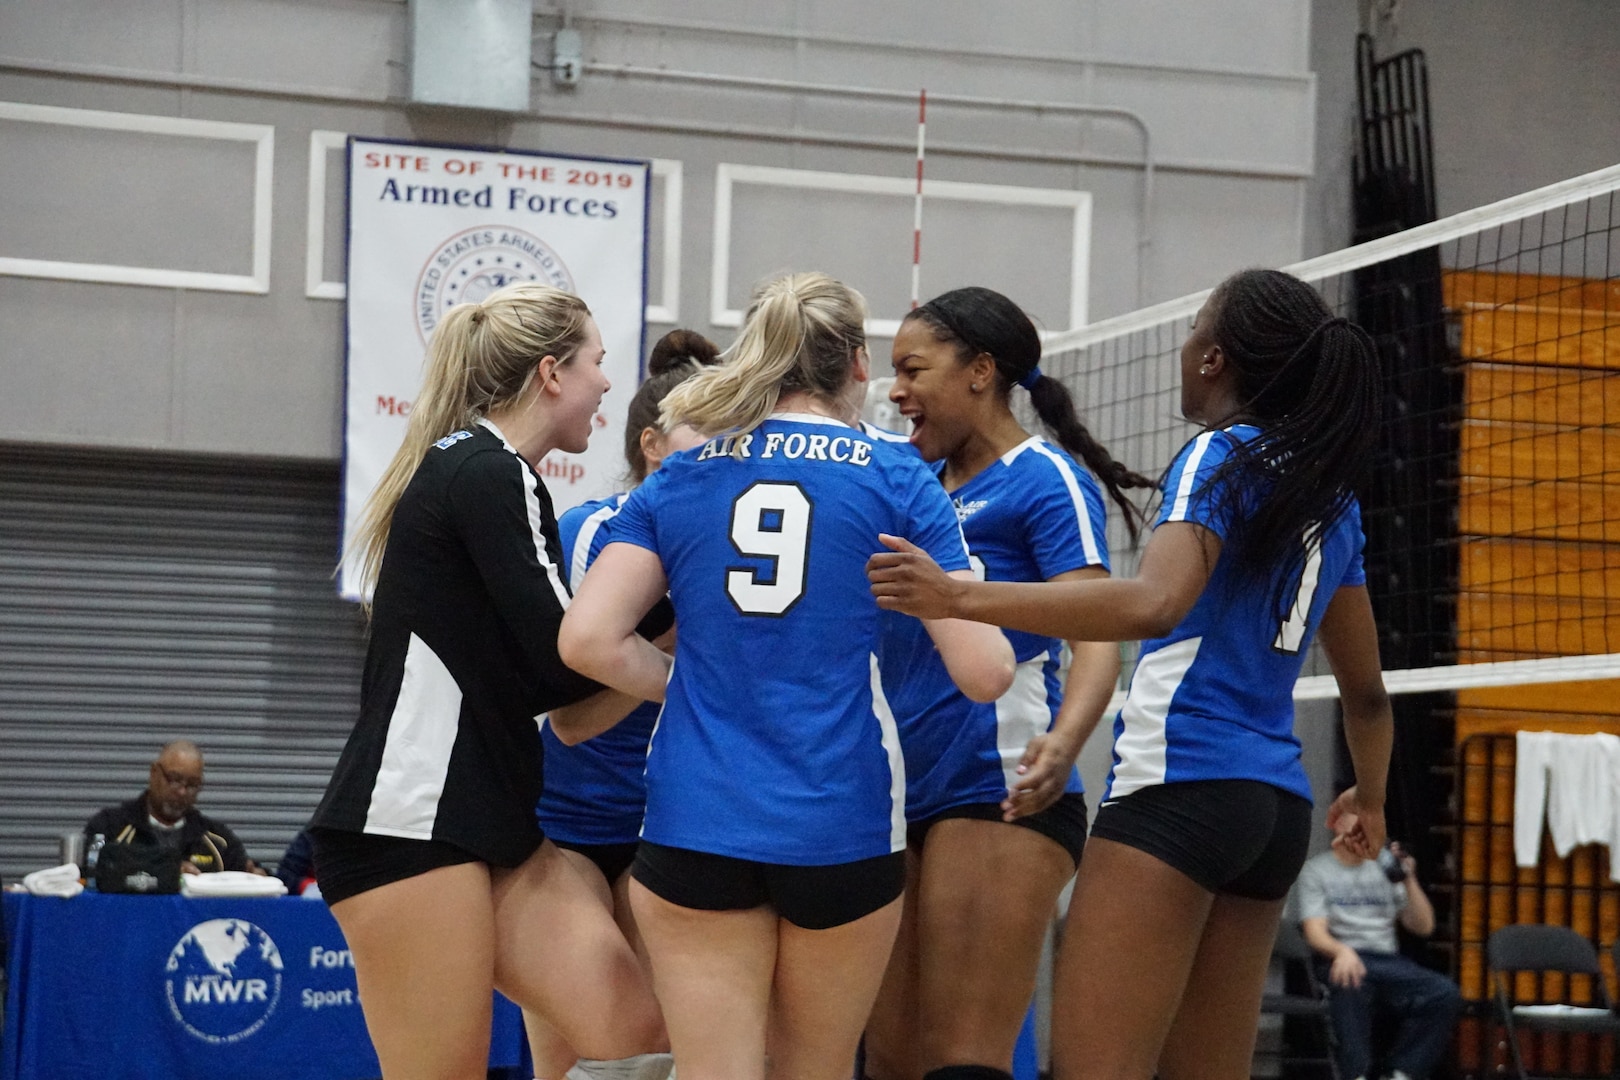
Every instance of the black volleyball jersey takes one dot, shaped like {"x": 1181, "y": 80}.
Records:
{"x": 462, "y": 659}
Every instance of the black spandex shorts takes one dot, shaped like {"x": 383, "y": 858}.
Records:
{"x": 1063, "y": 822}
{"x": 1238, "y": 837}
{"x": 611, "y": 859}
{"x": 350, "y": 863}
{"x": 812, "y": 897}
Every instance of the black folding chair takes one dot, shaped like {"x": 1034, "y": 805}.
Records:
{"x": 1307, "y": 1008}
{"x": 1537, "y": 948}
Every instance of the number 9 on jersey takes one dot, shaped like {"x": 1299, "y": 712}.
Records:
{"x": 770, "y": 521}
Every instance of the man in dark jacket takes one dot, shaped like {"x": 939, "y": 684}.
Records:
{"x": 165, "y": 815}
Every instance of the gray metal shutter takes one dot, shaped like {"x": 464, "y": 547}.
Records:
{"x": 147, "y": 597}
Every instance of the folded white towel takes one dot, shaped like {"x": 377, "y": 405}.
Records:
{"x": 231, "y": 883}
{"x": 1568, "y": 1011}
{"x": 57, "y": 881}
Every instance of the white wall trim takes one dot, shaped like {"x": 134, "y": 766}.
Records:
{"x": 321, "y": 143}
{"x": 668, "y": 309}
{"x": 263, "y": 138}
{"x": 666, "y": 312}
{"x": 721, "y": 313}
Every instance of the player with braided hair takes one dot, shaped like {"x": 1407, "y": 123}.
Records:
{"x": 1205, "y": 822}
{"x": 997, "y": 816}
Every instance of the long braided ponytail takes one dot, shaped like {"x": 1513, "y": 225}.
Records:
{"x": 1310, "y": 382}
{"x": 979, "y": 320}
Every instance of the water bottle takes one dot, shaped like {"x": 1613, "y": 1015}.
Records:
{"x": 93, "y": 853}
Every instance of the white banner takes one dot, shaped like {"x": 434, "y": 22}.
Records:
{"x": 433, "y": 226}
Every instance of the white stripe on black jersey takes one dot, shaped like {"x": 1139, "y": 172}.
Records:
{"x": 416, "y": 752}
{"x": 462, "y": 659}
{"x": 531, "y": 502}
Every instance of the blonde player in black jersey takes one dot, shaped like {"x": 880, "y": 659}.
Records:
{"x": 426, "y": 844}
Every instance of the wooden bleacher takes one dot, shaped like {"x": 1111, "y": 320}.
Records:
{"x": 1539, "y": 484}
{"x": 1538, "y": 576}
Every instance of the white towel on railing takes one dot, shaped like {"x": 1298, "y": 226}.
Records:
{"x": 231, "y": 883}
{"x": 57, "y": 881}
{"x": 1572, "y": 782}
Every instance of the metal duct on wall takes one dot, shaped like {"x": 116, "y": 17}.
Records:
{"x": 472, "y": 54}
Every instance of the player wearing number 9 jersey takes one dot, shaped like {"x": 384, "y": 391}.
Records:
{"x": 1206, "y": 821}
{"x": 770, "y": 865}
{"x": 757, "y": 534}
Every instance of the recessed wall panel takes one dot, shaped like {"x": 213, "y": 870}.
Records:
{"x": 124, "y": 198}
{"x": 1032, "y": 243}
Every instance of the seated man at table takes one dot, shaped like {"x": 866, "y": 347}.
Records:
{"x": 165, "y": 815}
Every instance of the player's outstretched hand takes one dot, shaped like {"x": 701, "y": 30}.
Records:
{"x": 1042, "y": 775}
{"x": 1357, "y": 827}
{"x": 905, "y": 579}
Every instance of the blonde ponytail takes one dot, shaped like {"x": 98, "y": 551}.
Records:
{"x": 801, "y": 333}
{"x": 481, "y": 356}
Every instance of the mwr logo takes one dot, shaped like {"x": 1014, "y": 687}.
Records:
{"x": 475, "y": 262}
{"x": 223, "y": 980}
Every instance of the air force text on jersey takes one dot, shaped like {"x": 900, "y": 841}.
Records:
{"x": 794, "y": 445}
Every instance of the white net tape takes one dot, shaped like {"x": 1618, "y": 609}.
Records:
{"x": 1521, "y": 495}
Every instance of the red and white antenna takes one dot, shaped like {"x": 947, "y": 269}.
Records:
{"x": 916, "y": 215}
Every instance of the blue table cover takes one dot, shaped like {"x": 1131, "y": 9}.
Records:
{"x": 170, "y": 987}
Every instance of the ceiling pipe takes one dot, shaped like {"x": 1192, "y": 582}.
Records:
{"x": 565, "y": 13}
{"x": 1144, "y": 234}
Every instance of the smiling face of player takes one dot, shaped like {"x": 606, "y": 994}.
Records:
{"x": 579, "y": 387}
{"x": 933, "y": 389}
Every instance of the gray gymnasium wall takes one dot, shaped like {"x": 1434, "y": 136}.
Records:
{"x": 1223, "y": 88}
{"x": 1522, "y": 96}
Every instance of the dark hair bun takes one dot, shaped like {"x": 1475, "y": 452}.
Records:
{"x": 678, "y": 348}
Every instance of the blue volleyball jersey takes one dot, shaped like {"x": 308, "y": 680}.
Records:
{"x": 1030, "y": 516}
{"x": 1213, "y": 699}
{"x": 769, "y": 747}
{"x": 595, "y": 792}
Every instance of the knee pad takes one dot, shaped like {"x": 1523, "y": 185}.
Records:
{"x": 640, "y": 1067}
{"x": 968, "y": 1072}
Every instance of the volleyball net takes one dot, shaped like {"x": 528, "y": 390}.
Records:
{"x": 1493, "y": 512}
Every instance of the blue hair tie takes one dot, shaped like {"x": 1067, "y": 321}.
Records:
{"x": 1028, "y": 381}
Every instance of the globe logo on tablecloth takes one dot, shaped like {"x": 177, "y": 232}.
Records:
{"x": 223, "y": 980}
{"x": 475, "y": 262}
